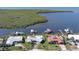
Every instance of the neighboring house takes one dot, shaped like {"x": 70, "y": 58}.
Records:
{"x": 36, "y": 38}
{"x": 13, "y": 39}
{"x": 55, "y": 39}
{"x": 75, "y": 38}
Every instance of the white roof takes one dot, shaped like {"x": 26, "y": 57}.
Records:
{"x": 37, "y": 38}
{"x": 75, "y": 36}
{"x": 11, "y": 39}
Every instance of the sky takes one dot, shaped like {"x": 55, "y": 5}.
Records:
{"x": 47, "y": 8}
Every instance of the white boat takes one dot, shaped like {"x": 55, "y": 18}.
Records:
{"x": 48, "y": 31}
{"x": 17, "y": 33}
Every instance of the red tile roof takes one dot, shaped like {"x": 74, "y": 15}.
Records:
{"x": 54, "y": 38}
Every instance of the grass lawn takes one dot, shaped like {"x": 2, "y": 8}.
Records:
{"x": 27, "y": 46}
{"x": 49, "y": 47}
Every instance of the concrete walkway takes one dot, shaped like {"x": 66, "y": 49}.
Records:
{"x": 63, "y": 48}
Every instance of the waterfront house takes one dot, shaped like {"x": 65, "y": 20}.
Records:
{"x": 36, "y": 38}
{"x": 14, "y": 39}
{"x": 75, "y": 36}
{"x": 75, "y": 39}
{"x": 54, "y": 39}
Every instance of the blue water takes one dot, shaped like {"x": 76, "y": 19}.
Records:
{"x": 56, "y": 21}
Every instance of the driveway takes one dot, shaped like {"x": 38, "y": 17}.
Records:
{"x": 63, "y": 48}
{"x": 78, "y": 45}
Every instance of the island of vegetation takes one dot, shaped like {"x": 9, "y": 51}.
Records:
{"x": 11, "y": 19}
